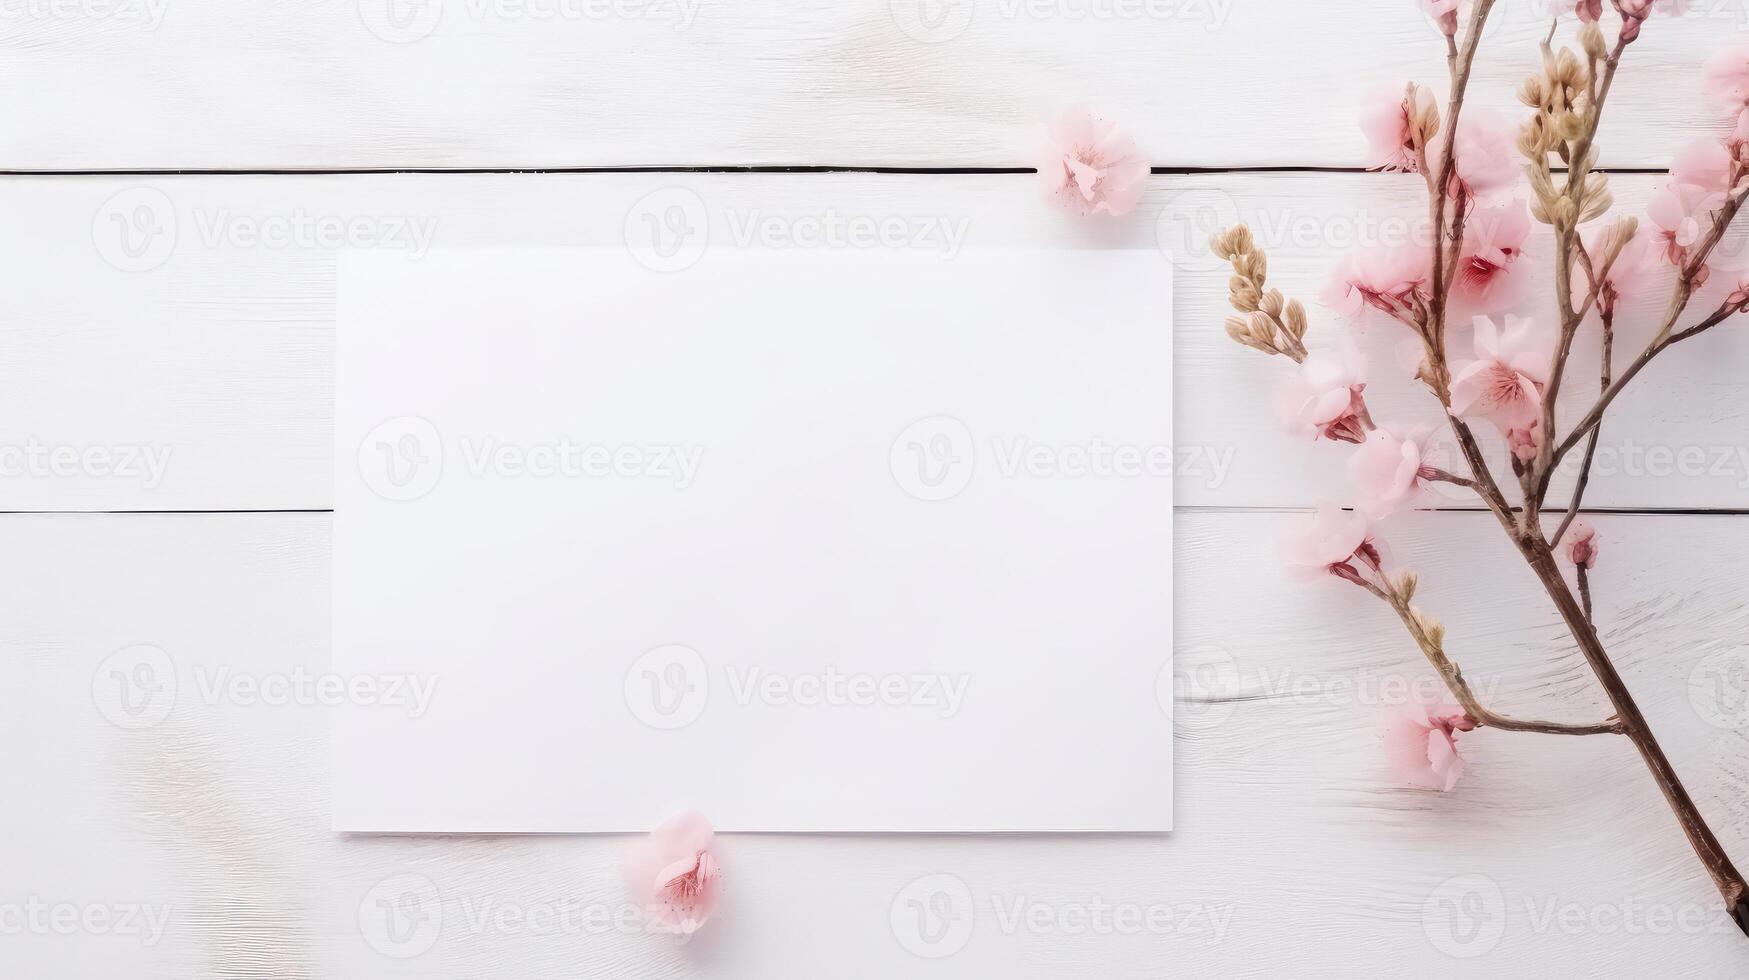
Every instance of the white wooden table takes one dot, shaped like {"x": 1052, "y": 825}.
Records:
{"x": 179, "y": 176}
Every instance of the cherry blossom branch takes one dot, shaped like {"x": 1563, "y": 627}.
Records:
{"x": 1527, "y": 534}
{"x": 1606, "y": 313}
{"x": 1664, "y": 339}
{"x": 1569, "y": 249}
{"x": 1459, "y": 65}
{"x": 1429, "y": 635}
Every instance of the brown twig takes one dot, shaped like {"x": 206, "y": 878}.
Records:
{"x": 1432, "y": 647}
{"x": 1606, "y": 313}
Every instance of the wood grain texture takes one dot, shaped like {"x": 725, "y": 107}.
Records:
{"x": 212, "y": 349}
{"x": 1290, "y": 834}
{"x": 258, "y": 84}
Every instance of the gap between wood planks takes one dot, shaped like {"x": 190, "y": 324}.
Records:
{"x": 759, "y": 169}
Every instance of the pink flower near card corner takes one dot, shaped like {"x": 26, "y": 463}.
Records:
{"x": 1505, "y": 380}
{"x": 673, "y": 874}
{"x": 1323, "y": 399}
{"x": 1388, "y": 471}
{"x": 1327, "y": 544}
{"x": 1582, "y": 544}
{"x": 1421, "y": 743}
{"x": 1089, "y": 166}
{"x": 1493, "y": 242}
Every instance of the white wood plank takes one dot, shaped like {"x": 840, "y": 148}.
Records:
{"x": 253, "y": 84}
{"x": 213, "y": 348}
{"x": 1288, "y": 824}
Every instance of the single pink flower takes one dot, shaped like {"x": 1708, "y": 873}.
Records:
{"x": 1705, "y": 162}
{"x": 1327, "y": 545}
{"x": 1387, "y": 471}
{"x": 1628, "y": 275}
{"x": 1493, "y": 240}
{"x": 1726, "y": 76}
{"x": 1634, "y": 13}
{"x": 673, "y": 875}
{"x": 1389, "y": 130}
{"x": 1381, "y": 276}
{"x": 1582, "y": 544}
{"x": 1088, "y": 166}
{"x": 1505, "y": 381}
{"x": 1484, "y": 157}
{"x": 1421, "y": 743}
{"x": 1444, "y": 13}
{"x": 1323, "y": 399}
{"x": 1588, "y": 10}
{"x": 1683, "y": 214}
{"x": 1524, "y": 438}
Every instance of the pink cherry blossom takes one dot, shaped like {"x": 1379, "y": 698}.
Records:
{"x": 1385, "y": 121}
{"x": 1581, "y": 544}
{"x": 1505, "y": 380}
{"x": 1588, "y": 10}
{"x": 1705, "y": 163}
{"x": 1493, "y": 240}
{"x": 673, "y": 874}
{"x": 1323, "y": 399}
{"x": 1634, "y": 13}
{"x": 1484, "y": 157}
{"x": 1628, "y": 275}
{"x": 1327, "y": 544}
{"x": 1089, "y": 166}
{"x": 1381, "y": 276}
{"x": 1421, "y": 743}
{"x": 1726, "y": 76}
{"x": 1387, "y": 471}
{"x": 1444, "y": 13}
{"x": 1683, "y": 214}
{"x": 1524, "y": 438}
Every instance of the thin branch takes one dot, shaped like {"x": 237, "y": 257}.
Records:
{"x": 1438, "y": 475}
{"x": 1664, "y": 339}
{"x": 1454, "y": 677}
{"x": 1606, "y": 313}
